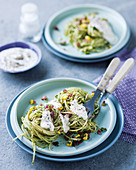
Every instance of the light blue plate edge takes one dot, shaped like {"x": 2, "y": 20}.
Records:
{"x": 85, "y": 6}
{"x": 11, "y": 133}
{"x": 50, "y": 49}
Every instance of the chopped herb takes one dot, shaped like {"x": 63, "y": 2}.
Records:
{"x": 93, "y": 14}
{"x": 103, "y": 129}
{"x": 56, "y": 96}
{"x": 68, "y": 99}
{"x": 63, "y": 43}
{"x": 104, "y": 19}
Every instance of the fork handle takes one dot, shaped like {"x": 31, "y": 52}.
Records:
{"x": 108, "y": 73}
{"x": 129, "y": 63}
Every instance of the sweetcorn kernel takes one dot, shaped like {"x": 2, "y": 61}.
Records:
{"x": 83, "y": 25}
{"x": 77, "y": 136}
{"x": 85, "y": 137}
{"x": 59, "y": 132}
{"x": 31, "y": 102}
{"x": 31, "y": 109}
{"x": 88, "y": 38}
{"x": 88, "y": 20}
{"x": 65, "y": 97}
{"x": 92, "y": 94}
{"x": 69, "y": 143}
{"x": 61, "y": 108}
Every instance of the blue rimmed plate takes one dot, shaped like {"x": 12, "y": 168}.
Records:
{"x": 94, "y": 152}
{"x": 51, "y": 87}
{"x": 84, "y": 60}
{"x": 61, "y": 18}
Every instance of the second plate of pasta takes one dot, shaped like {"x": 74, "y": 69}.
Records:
{"x": 86, "y": 31}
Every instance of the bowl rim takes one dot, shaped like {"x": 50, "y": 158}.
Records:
{"x": 28, "y": 45}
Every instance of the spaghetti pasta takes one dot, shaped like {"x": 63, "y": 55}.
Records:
{"x": 78, "y": 128}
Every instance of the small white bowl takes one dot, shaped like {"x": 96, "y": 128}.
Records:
{"x": 31, "y": 46}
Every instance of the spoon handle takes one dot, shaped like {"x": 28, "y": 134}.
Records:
{"x": 129, "y": 63}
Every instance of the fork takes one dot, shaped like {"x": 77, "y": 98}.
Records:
{"x": 112, "y": 85}
{"x": 117, "y": 79}
{"x": 101, "y": 86}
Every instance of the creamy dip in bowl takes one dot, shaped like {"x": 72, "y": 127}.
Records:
{"x": 19, "y": 57}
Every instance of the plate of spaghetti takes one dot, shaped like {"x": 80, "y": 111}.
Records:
{"x": 50, "y": 117}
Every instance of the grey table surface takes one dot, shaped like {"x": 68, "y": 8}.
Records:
{"x": 122, "y": 155}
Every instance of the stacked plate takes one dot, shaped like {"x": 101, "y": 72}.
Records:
{"x": 60, "y": 19}
{"x": 110, "y": 117}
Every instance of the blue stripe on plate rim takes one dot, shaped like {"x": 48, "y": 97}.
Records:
{"x": 99, "y": 149}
